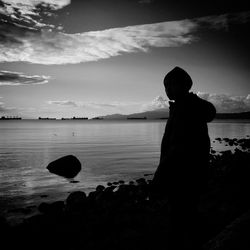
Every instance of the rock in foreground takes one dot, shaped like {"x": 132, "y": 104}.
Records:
{"x": 68, "y": 166}
{"x": 234, "y": 236}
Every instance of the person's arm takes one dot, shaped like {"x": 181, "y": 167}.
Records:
{"x": 207, "y": 110}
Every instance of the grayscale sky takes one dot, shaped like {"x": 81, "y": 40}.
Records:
{"x": 80, "y": 58}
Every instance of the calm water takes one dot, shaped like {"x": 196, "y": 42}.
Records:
{"x": 108, "y": 151}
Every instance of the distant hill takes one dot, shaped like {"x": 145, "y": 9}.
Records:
{"x": 163, "y": 114}
{"x": 156, "y": 114}
{"x": 243, "y": 115}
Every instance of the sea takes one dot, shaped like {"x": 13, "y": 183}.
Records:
{"x": 108, "y": 150}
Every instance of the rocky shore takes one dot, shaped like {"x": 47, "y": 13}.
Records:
{"x": 127, "y": 216}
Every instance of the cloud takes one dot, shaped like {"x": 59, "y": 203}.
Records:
{"x": 29, "y": 11}
{"x": 103, "y": 105}
{"x": 158, "y": 103}
{"x": 8, "y": 78}
{"x": 27, "y": 112}
{"x": 64, "y": 103}
{"x": 79, "y": 104}
{"x": 223, "y": 103}
{"x": 19, "y": 43}
{"x": 45, "y": 47}
{"x": 228, "y": 103}
{"x": 222, "y": 21}
{"x": 112, "y": 104}
{"x": 26, "y": 5}
{"x": 4, "y": 109}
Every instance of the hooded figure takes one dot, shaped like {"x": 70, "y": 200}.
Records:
{"x": 185, "y": 145}
{"x": 183, "y": 168}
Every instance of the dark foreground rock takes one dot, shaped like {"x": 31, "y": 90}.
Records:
{"x": 128, "y": 216}
{"x": 235, "y": 236}
{"x": 68, "y": 166}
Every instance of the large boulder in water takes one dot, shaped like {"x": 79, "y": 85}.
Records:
{"x": 68, "y": 166}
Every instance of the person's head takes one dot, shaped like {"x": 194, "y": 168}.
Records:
{"x": 177, "y": 83}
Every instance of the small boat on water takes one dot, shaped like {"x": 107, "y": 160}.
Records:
{"x": 46, "y": 118}
{"x": 10, "y": 118}
{"x": 76, "y": 118}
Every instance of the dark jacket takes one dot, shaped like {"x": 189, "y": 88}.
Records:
{"x": 185, "y": 145}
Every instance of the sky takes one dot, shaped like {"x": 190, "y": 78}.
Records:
{"x": 87, "y": 58}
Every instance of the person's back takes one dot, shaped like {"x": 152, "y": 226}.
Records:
{"x": 186, "y": 144}
{"x": 182, "y": 171}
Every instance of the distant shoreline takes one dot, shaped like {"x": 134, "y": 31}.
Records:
{"x": 227, "y": 120}
{"x": 149, "y": 115}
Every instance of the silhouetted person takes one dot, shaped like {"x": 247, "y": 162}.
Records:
{"x": 182, "y": 171}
